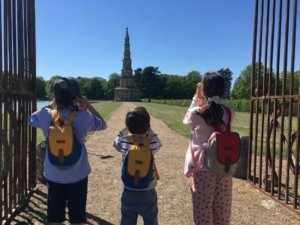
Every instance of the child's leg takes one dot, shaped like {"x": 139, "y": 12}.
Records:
{"x": 149, "y": 209}
{"x": 129, "y": 208}
{"x": 77, "y": 195}
{"x": 222, "y": 200}
{"x": 56, "y": 203}
{"x": 202, "y": 189}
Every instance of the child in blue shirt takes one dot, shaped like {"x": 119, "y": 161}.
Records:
{"x": 67, "y": 185}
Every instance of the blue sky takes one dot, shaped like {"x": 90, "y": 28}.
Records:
{"x": 86, "y": 37}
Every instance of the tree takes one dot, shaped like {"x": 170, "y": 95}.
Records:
{"x": 287, "y": 83}
{"x": 174, "y": 88}
{"x": 94, "y": 89}
{"x": 40, "y": 88}
{"x": 227, "y": 74}
{"x": 49, "y": 85}
{"x": 190, "y": 81}
{"x": 113, "y": 82}
{"x": 148, "y": 81}
{"x": 242, "y": 86}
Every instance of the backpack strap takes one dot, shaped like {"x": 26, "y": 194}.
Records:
{"x": 55, "y": 117}
{"x": 217, "y": 126}
{"x": 136, "y": 142}
{"x": 228, "y": 125}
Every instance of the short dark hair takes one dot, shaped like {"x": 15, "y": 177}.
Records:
{"x": 138, "y": 121}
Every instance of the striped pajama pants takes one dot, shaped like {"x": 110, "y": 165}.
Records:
{"x": 212, "y": 196}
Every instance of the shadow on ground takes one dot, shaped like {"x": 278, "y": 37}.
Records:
{"x": 33, "y": 211}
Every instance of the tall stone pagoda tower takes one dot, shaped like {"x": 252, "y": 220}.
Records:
{"x": 127, "y": 90}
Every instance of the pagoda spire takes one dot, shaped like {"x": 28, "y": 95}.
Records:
{"x": 126, "y": 70}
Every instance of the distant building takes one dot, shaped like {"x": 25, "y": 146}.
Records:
{"x": 127, "y": 91}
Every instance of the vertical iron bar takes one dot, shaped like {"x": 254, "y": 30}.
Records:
{"x": 1, "y": 108}
{"x": 285, "y": 57}
{"x": 252, "y": 88}
{"x": 5, "y": 192}
{"x": 258, "y": 91}
{"x": 14, "y": 126}
{"x": 264, "y": 94}
{"x": 32, "y": 74}
{"x": 27, "y": 83}
{"x": 277, "y": 80}
{"x": 292, "y": 75}
{"x": 10, "y": 82}
{"x": 269, "y": 103}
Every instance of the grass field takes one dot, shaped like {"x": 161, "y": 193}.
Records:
{"x": 173, "y": 115}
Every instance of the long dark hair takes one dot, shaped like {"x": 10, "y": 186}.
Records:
{"x": 213, "y": 85}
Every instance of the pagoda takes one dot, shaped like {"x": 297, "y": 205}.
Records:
{"x": 127, "y": 91}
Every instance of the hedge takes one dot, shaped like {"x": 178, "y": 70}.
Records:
{"x": 240, "y": 105}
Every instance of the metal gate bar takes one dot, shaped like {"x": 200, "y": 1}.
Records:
{"x": 274, "y": 102}
{"x": 17, "y": 99}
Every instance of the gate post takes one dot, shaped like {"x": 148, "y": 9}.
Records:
{"x": 242, "y": 164}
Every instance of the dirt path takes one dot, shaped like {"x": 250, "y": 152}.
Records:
{"x": 250, "y": 206}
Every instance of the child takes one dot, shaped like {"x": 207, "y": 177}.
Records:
{"x": 211, "y": 193}
{"x": 67, "y": 185}
{"x": 136, "y": 201}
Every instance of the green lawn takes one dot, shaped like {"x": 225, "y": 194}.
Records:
{"x": 172, "y": 115}
{"x": 105, "y": 108}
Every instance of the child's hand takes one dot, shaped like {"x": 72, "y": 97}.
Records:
{"x": 82, "y": 100}
{"x": 82, "y": 103}
{"x": 52, "y": 104}
{"x": 125, "y": 131}
{"x": 199, "y": 90}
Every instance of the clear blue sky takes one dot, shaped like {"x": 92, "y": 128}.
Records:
{"x": 86, "y": 37}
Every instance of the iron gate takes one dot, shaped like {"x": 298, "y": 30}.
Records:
{"x": 275, "y": 106}
{"x": 17, "y": 99}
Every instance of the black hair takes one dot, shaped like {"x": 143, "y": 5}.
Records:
{"x": 64, "y": 92}
{"x": 76, "y": 87}
{"x": 138, "y": 121}
{"x": 213, "y": 85}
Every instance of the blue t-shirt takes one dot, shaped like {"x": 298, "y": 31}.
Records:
{"x": 83, "y": 123}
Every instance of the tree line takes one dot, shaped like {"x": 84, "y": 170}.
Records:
{"x": 155, "y": 85}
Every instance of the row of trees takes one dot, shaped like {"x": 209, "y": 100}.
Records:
{"x": 156, "y": 85}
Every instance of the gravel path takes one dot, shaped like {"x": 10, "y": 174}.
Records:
{"x": 250, "y": 206}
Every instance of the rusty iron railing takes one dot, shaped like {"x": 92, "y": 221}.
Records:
{"x": 275, "y": 107}
{"x": 17, "y": 99}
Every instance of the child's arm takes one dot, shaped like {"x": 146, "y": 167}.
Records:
{"x": 120, "y": 140}
{"x": 39, "y": 118}
{"x": 155, "y": 142}
{"x": 84, "y": 101}
{"x": 197, "y": 102}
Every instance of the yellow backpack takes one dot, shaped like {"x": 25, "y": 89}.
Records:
{"x": 64, "y": 148}
{"x": 138, "y": 165}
